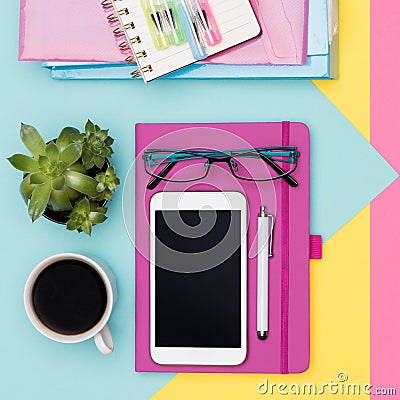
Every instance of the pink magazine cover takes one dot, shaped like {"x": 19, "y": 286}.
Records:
{"x": 79, "y": 31}
{"x": 286, "y": 349}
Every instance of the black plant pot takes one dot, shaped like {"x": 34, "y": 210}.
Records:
{"x": 62, "y": 217}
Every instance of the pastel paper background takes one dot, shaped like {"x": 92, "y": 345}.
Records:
{"x": 34, "y": 367}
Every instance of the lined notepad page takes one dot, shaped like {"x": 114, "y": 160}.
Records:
{"x": 235, "y": 18}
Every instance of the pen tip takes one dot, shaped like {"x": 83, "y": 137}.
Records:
{"x": 262, "y": 335}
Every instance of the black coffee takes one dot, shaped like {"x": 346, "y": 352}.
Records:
{"x": 69, "y": 297}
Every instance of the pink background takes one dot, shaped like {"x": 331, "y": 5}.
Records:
{"x": 385, "y": 219}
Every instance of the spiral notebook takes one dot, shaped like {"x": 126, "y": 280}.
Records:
{"x": 143, "y": 30}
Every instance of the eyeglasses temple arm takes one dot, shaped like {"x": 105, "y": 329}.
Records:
{"x": 156, "y": 180}
{"x": 291, "y": 181}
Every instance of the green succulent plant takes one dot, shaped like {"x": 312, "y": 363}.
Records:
{"x": 96, "y": 145}
{"x": 57, "y": 177}
{"x": 53, "y": 175}
{"x": 107, "y": 183}
{"x": 84, "y": 215}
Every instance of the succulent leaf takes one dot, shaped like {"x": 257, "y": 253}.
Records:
{"x": 84, "y": 206}
{"x": 52, "y": 152}
{"x": 24, "y": 163}
{"x": 105, "y": 152}
{"x": 80, "y": 182}
{"x": 97, "y": 217}
{"x": 71, "y": 153}
{"x": 38, "y": 178}
{"x": 109, "y": 141}
{"x": 90, "y": 164}
{"x": 26, "y": 188}
{"x": 65, "y": 137}
{"x": 77, "y": 137}
{"x": 58, "y": 183}
{"x": 60, "y": 201}
{"x": 89, "y": 127}
{"x": 78, "y": 167}
{"x": 99, "y": 161}
{"x": 39, "y": 200}
{"x": 100, "y": 187}
{"x": 43, "y": 161}
{"x": 102, "y": 135}
{"x": 87, "y": 227}
{"x": 71, "y": 225}
{"x": 32, "y": 140}
{"x": 108, "y": 195}
{"x": 87, "y": 158}
{"x": 72, "y": 194}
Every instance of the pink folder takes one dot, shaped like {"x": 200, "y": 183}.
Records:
{"x": 284, "y": 26}
{"x": 286, "y": 349}
{"x": 78, "y": 31}
{"x": 66, "y": 30}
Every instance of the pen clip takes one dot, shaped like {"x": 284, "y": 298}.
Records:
{"x": 271, "y": 234}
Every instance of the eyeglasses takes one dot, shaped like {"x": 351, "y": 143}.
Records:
{"x": 257, "y": 164}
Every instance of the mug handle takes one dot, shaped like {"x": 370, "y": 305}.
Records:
{"x": 104, "y": 341}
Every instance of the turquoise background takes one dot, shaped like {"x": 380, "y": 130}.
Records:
{"x": 344, "y": 179}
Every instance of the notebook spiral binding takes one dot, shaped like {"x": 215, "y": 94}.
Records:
{"x": 123, "y": 39}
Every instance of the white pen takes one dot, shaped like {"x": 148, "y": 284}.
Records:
{"x": 264, "y": 238}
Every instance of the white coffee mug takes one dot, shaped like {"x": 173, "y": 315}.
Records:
{"x": 100, "y": 332}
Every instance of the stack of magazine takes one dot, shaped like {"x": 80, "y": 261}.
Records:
{"x": 101, "y": 40}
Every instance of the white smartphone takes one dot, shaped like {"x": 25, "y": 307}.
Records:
{"x": 198, "y": 278}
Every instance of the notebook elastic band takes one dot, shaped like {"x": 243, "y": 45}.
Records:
{"x": 315, "y": 247}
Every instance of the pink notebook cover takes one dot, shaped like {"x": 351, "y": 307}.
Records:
{"x": 78, "y": 31}
{"x": 287, "y": 348}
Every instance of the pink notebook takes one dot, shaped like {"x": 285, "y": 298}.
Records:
{"x": 286, "y": 349}
{"x": 78, "y": 31}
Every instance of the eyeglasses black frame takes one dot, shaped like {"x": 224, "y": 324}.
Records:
{"x": 285, "y": 175}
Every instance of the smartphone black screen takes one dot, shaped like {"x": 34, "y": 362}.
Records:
{"x": 200, "y": 309}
